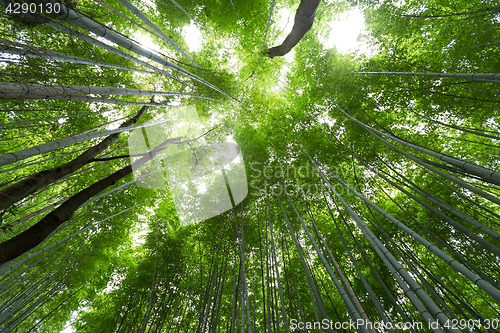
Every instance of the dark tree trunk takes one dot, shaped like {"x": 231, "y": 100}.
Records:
{"x": 33, "y": 236}
{"x": 304, "y": 19}
{"x": 35, "y": 182}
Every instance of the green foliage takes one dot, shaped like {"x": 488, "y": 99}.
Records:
{"x": 5, "y": 226}
{"x": 124, "y": 260}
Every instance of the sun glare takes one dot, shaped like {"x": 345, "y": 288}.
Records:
{"x": 193, "y": 37}
{"x": 345, "y": 31}
{"x": 146, "y": 41}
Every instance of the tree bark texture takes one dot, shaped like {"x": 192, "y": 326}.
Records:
{"x": 304, "y": 18}
{"x": 36, "y": 234}
{"x": 35, "y": 182}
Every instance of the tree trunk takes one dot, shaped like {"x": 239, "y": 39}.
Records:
{"x": 304, "y": 19}
{"x": 343, "y": 279}
{"x": 354, "y": 314}
{"x": 493, "y": 9}
{"x": 89, "y": 99}
{"x": 35, "y": 182}
{"x": 407, "y": 283}
{"x": 367, "y": 286}
{"x": 67, "y": 141}
{"x": 185, "y": 12}
{"x": 99, "y": 29}
{"x": 38, "y": 212}
{"x": 419, "y": 161}
{"x": 93, "y": 41}
{"x": 125, "y": 17}
{"x": 151, "y": 25}
{"x": 481, "y": 77}
{"x": 458, "y": 127}
{"x": 431, "y": 247}
{"x": 312, "y": 286}
{"x": 4, "y": 126}
{"x": 280, "y": 289}
{"x": 33, "y": 236}
{"x": 57, "y": 56}
{"x": 41, "y": 91}
{"x": 483, "y": 45}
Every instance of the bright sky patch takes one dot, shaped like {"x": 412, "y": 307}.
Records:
{"x": 192, "y": 35}
{"x": 345, "y": 31}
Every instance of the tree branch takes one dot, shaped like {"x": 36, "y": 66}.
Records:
{"x": 144, "y": 154}
{"x": 33, "y": 183}
{"x": 304, "y": 19}
{"x": 36, "y": 234}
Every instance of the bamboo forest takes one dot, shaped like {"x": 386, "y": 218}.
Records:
{"x": 220, "y": 166}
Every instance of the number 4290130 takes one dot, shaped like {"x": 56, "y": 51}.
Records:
{"x": 32, "y": 8}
